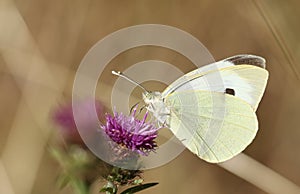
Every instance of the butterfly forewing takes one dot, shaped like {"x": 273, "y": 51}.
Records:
{"x": 248, "y": 82}
{"x": 212, "y": 125}
{"x": 247, "y": 59}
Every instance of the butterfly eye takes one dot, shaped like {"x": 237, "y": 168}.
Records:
{"x": 230, "y": 91}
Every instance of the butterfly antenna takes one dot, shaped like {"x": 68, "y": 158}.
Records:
{"x": 120, "y": 74}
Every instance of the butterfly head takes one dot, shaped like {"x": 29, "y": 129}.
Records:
{"x": 156, "y": 105}
{"x": 152, "y": 97}
{"x": 154, "y": 100}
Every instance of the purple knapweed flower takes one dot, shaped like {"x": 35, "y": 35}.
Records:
{"x": 64, "y": 118}
{"x": 128, "y": 131}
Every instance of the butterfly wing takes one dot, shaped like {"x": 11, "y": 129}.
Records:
{"x": 212, "y": 125}
{"x": 246, "y": 59}
{"x": 247, "y": 81}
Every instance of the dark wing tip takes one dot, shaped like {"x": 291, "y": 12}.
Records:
{"x": 247, "y": 60}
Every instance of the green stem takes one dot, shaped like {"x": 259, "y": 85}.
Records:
{"x": 113, "y": 186}
{"x": 79, "y": 186}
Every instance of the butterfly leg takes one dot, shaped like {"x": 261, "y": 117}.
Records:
{"x": 164, "y": 123}
{"x": 133, "y": 107}
{"x": 141, "y": 109}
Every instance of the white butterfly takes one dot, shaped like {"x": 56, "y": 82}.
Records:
{"x": 212, "y": 109}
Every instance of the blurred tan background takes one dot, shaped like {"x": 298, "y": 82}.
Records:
{"x": 42, "y": 43}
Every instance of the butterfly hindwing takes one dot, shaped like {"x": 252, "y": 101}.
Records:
{"x": 212, "y": 125}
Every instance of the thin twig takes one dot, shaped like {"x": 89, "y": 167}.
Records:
{"x": 260, "y": 175}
